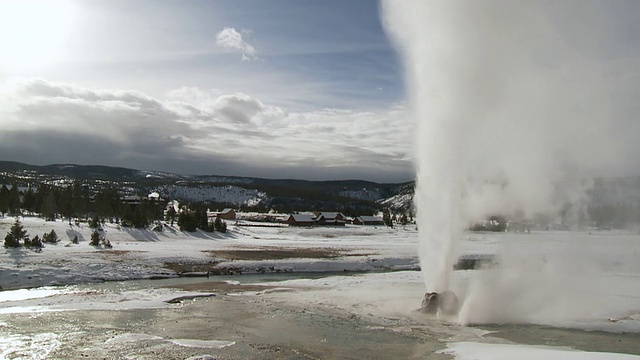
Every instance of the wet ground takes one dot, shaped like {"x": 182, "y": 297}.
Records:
{"x": 601, "y": 341}
{"x": 258, "y": 325}
{"x": 257, "y": 328}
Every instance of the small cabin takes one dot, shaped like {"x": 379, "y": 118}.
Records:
{"x": 301, "y": 220}
{"x": 368, "y": 220}
{"x": 227, "y": 214}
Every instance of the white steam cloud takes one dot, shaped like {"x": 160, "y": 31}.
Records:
{"x": 513, "y": 112}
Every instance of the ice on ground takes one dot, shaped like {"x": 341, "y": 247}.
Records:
{"x": 24, "y": 347}
{"x": 212, "y": 344}
{"x": 134, "y": 337}
{"x": 131, "y": 337}
{"x": 483, "y": 351}
{"x": 26, "y": 294}
{"x": 150, "y": 298}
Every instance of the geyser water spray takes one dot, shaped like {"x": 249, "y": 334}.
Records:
{"x": 512, "y": 114}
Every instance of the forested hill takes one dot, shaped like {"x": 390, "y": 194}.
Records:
{"x": 281, "y": 194}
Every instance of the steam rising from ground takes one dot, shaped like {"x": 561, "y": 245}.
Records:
{"x": 513, "y": 112}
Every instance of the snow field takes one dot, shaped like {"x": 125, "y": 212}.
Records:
{"x": 565, "y": 279}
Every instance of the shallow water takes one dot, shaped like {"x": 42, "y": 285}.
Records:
{"x": 256, "y": 327}
{"x": 627, "y": 343}
{"x": 240, "y": 279}
{"x": 248, "y": 327}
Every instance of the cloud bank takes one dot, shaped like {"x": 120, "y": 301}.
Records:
{"x": 196, "y": 131}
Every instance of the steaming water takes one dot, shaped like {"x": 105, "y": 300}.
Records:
{"x": 512, "y": 112}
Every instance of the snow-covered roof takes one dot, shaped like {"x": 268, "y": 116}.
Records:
{"x": 369, "y": 218}
{"x": 226, "y": 211}
{"x": 303, "y": 217}
{"x": 154, "y": 195}
{"x": 330, "y": 215}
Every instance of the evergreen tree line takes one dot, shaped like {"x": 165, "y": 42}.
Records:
{"x": 193, "y": 217}
{"x": 18, "y": 237}
{"x": 390, "y": 219}
{"x": 78, "y": 202}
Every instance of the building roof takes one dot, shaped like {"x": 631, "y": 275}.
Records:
{"x": 370, "y": 218}
{"x": 22, "y": 189}
{"x": 226, "y": 211}
{"x": 329, "y": 215}
{"x": 303, "y": 217}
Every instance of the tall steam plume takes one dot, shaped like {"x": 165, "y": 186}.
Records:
{"x": 512, "y": 111}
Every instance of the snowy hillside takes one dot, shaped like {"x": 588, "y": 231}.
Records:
{"x": 363, "y": 194}
{"x": 402, "y": 201}
{"x": 218, "y": 194}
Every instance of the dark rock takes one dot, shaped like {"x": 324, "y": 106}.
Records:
{"x": 446, "y": 302}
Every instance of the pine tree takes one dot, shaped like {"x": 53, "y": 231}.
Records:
{"x": 187, "y": 221}
{"x": 13, "y": 200}
{"x": 95, "y": 238}
{"x": 95, "y": 222}
{"x": 50, "y": 237}
{"x": 80, "y": 200}
{"x": 202, "y": 221}
{"x": 65, "y": 202}
{"x": 36, "y": 242}
{"x": 220, "y": 225}
{"x": 4, "y": 200}
{"x": 171, "y": 214}
{"x": 49, "y": 206}
{"x": 386, "y": 218}
{"x": 16, "y": 234}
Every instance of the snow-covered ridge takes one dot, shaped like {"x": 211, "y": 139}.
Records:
{"x": 399, "y": 202}
{"x": 160, "y": 175}
{"x": 362, "y": 194}
{"x": 220, "y": 194}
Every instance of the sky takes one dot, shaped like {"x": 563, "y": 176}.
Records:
{"x": 305, "y": 89}
{"x": 277, "y": 89}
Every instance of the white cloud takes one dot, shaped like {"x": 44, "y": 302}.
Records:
{"x": 230, "y": 38}
{"x": 200, "y": 132}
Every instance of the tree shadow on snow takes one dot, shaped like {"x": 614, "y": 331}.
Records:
{"x": 17, "y": 254}
{"x": 140, "y": 234}
{"x": 72, "y": 233}
{"x": 209, "y": 235}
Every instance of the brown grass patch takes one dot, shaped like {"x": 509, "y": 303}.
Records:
{"x": 281, "y": 253}
{"x": 219, "y": 287}
{"x": 180, "y": 267}
{"x": 118, "y": 252}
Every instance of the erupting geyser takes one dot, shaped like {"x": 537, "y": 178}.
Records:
{"x": 510, "y": 114}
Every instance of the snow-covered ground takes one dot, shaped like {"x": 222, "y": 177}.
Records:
{"x": 139, "y": 254}
{"x": 577, "y": 280}
{"x": 480, "y": 351}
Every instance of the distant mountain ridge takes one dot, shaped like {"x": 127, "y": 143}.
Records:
{"x": 284, "y": 194}
{"x": 608, "y": 202}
